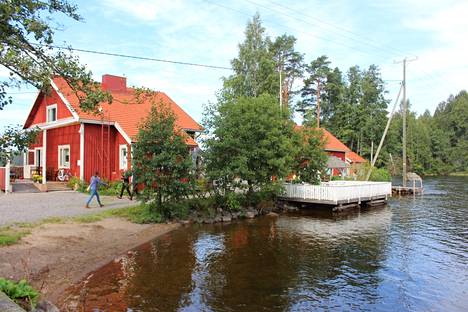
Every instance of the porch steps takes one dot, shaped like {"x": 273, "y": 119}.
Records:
{"x": 57, "y": 186}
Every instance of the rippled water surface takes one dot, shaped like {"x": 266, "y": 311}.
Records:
{"x": 411, "y": 255}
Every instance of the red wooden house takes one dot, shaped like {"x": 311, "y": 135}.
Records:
{"x": 80, "y": 143}
{"x": 340, "y": 157}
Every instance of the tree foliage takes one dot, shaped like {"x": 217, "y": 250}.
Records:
{"x": 250, "y": 143}
{"x": 310, "y": 159}
{"x": 436, "y": 144}
{"x": 26, "y": 34}
{"x": 256, "y": 68}
{"x": 14, "y": 139}
{"x": 161, "y": 160}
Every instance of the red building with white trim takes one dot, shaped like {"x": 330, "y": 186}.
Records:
{"x": 80, "y": 142}
{"x": 341, "y": 157}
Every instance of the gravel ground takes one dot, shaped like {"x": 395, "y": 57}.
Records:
{"x": 31, "y": 207}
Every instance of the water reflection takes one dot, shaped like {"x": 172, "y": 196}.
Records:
{"x": 411, "y": 255}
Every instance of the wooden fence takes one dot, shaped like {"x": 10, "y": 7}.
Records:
{"x": 5, "y": 179}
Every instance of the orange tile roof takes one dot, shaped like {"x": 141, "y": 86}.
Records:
{"x": 331, "y": 142}
{"x": 127, "y": 112}
{"x": 354, "y": 157}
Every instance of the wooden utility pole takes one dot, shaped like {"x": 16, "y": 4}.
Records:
{"x": 318, "y": 103}
{"x": 404, "y": 113}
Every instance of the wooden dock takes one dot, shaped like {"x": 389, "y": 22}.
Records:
{"x": 408, "y": 190}
{"x": 338, "y": 194}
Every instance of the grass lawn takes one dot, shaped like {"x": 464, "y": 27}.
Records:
{"x": 12, "y": 234}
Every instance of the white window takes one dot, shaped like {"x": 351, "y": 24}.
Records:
{"x": 38, "y": 157}
{"x": 123, "y": 157}
{"x": 51, "y": 113}
{"x": 64, "y": 156}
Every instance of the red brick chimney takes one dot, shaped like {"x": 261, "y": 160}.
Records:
{"x": 114, "y": 83}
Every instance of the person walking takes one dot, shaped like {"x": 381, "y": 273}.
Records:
{"x": 93, "y": 188}
{"x": 126, "y": 184}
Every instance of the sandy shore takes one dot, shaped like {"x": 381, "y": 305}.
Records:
{"x": 55, "y": 256}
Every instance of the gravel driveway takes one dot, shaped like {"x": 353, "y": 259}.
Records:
{"x": 30, "y": 207}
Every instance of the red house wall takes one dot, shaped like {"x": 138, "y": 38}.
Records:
{"x": 68, "y": 135}
{"x": 41, "y": 109}
{"x": 340, "y": 155}
{"x": 102, "y": 151}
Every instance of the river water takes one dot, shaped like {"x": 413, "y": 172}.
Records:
{"x": 411, "y": 255}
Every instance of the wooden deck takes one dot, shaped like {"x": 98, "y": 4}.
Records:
{"x": 338, "y": 193}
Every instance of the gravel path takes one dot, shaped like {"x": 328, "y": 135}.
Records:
{"x": 31, "y": 207}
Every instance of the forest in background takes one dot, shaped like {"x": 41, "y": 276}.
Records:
{"x": 353, "y": 105}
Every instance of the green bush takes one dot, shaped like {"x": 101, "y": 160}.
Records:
{"x": 113, "y": 188}
{"x": 80, "y": 184}
{"x": 380, "y": 175}
{"x": 178, "y": 210}
{"x": 20, "y": 292}
{"x": 233, "y": 201}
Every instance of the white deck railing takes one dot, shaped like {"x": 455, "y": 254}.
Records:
{"x": 338, "y": 191}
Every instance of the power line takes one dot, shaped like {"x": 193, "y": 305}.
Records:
{"x": 373, "y": 44}
{"x": 305, "y": 32}
{"x": 137, "y": 57}
{"x": 364, "y": 40}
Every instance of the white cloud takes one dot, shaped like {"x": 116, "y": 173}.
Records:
{"x": 146, "y": 10}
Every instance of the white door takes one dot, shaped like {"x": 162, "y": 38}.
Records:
{"x": 26, "y": 166}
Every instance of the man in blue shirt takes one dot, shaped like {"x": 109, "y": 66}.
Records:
{"x": 93, "y": 188}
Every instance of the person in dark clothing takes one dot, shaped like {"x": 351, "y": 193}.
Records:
{"x": 126, "y": 184}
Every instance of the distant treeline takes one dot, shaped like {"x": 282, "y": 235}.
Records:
{"x": 352, "y": 104}
{"x": 437, "y": 144}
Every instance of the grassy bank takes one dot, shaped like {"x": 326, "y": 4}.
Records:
{"x": 12, "y": 234}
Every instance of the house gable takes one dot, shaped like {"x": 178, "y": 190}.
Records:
{"x": 38, "y": 113}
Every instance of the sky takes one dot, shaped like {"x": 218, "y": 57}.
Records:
{"x": 353, "y": 32}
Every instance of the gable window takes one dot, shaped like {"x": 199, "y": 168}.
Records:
{"x": 51, "y": 113}
{"x": 64, "y": 156}
{"x": 123, "y": 154}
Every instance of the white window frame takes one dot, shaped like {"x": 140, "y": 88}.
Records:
{"x": 49, "y": 107}
{"x": 123, "y": 166}
{"x": 60, "y": 148}
{"x": 36, "y": 164}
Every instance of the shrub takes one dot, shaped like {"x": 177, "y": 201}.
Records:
{"x": 380, "y": 175}
{"x": 77, "y": 183}
{"x": 113, "y": 189}
{"x": 20, "y": 292}
{"x": 233, "y": 201}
